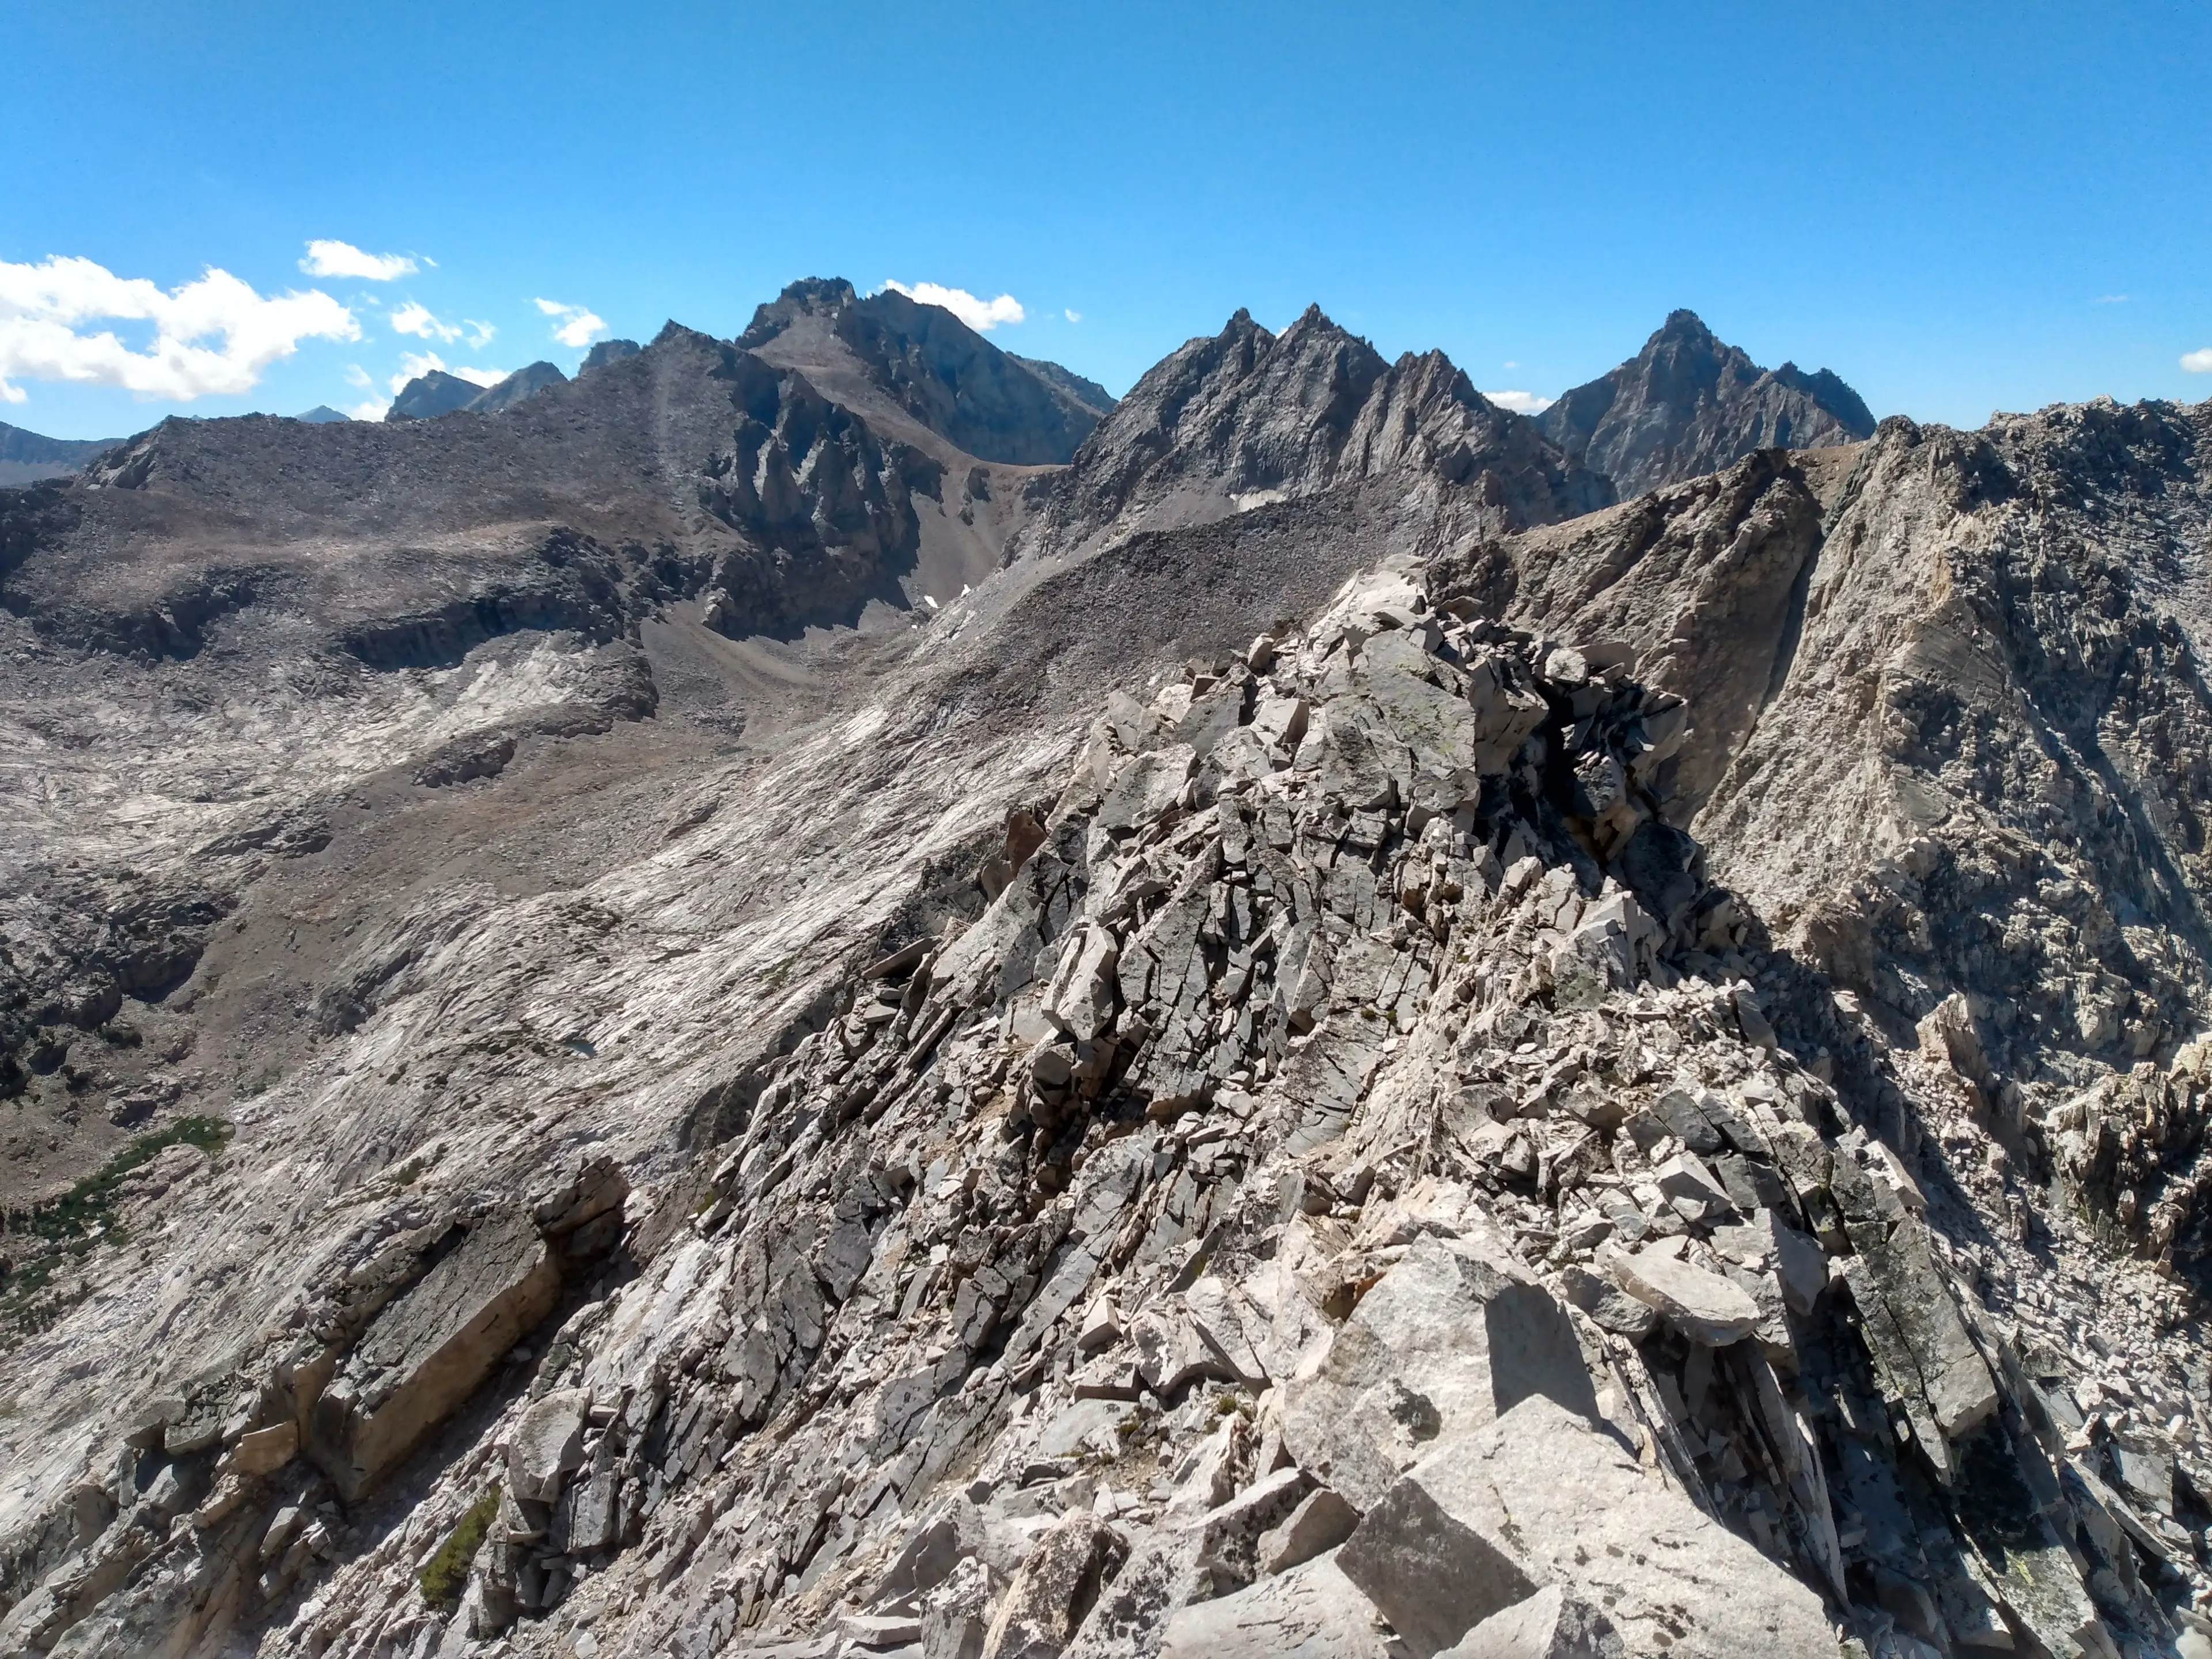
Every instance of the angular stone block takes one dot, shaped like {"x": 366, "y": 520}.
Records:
{"x": 431, "y": 1349}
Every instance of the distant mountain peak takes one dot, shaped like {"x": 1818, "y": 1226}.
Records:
{"x": 1689, "y": 403}
{"x": 605, "y": 352}
{"x": 1088, "y": 393}
{"x": 27, "y": 457}
{"x": 1245, "y": 418}
{"x": 929, "y": 367}
{"x": 430, "y": 395}
{"x": 525, "y": 382}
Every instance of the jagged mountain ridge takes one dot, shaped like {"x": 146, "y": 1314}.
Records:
{"x": 743, "y": 947}
{"x": 1689, "y": 403}
{"x": 1247, "y": 418}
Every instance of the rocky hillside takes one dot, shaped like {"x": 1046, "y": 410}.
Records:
{"x": 1358, "y": 1050}
{"x": 1689, "y": 403}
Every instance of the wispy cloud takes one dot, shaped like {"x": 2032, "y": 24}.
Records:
{"x": 416, "y": 318}
{"x": 2198, "y": 362}
{"x": 982, "y": 315}
{"x": 1521, "y": 403}
{"x": 43, "y": 308}
{"x": 357, "y": 376}
{"x": 2114, "y": 299}
{"x": 344, "y": 259}
{"x": 374, "y": 410}
{"x": 574, "y": 325}
{"x": 1073, "y": 316}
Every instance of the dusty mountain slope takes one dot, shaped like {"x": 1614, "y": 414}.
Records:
{"x": 1689, "y": 403}
{"x": 1041, "y": 1124}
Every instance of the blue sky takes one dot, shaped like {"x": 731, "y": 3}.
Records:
{"x": 1958, "y": 207}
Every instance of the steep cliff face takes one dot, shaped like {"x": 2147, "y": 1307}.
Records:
{"x": 1314, "y": 1079}
{"x": 1689, "y": 403}
{"x": 1951, "y": 721}
{"x": 1247, "y": 418}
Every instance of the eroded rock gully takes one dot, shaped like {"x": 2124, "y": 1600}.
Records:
{"x": 1358, "y": 1187}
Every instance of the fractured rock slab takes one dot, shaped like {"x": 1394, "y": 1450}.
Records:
{"x": 1703, "y": 1306}
{"x": 1544, "y": 1498}
{"x": 1553, "y": 1623}
{"x": 1453, "y": 1335}
{"x": 1311, "y": 1612}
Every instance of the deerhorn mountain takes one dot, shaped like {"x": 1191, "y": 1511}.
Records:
{"x": 828, "y": 995}
{"x": 1688, "y": 405}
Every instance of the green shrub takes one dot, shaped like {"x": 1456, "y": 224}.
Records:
{"x": 70, "y": 1225}
{"x": 445, "y": 1575}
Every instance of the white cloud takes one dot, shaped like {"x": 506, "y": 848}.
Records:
{"x": 374, "y": 410}
{"x": 43, "y": 307}
{"x": 344, "y": 259}
{"x": 356, "y": 376}
{"x": 576, "y": 325}
{"x": 982, "y": 315}
{"x": 2198, "y": 362}
{"x": 481, "y": 376}
{"x": 1521, "y": 403}
{"x": 414, "y": 318}
{"x": 1074, "y": 316}
{"x": 2114, "y": 299}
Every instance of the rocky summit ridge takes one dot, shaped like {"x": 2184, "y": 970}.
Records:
{"x": 769, "y": 1004}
